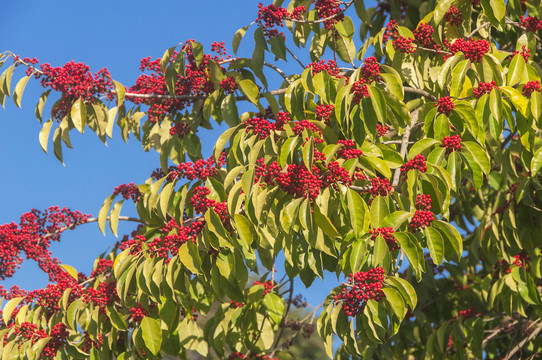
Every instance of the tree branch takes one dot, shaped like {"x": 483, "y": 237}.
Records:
{"x": 420, "y": 92}
{"x": 522, "y": 343}
{"x": 404, "y": 147}
{"x": 91, "y": 220}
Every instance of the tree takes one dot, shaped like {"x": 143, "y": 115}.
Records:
{"x": 412, "y": 174}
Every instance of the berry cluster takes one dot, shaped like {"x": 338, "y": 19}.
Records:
{"x": 196, "y": 81}
{"x": 235, "y": 304}
{"x": 445, "y": 105}
{"x": 179, "y": 129}
{"x": 404, "y": 45}
{"x": 453, "y": 16}
{"x": 336, "y": 174}
{"x": 348, "y": 151}
{"x": 423, "y": 202}
{"x": 266, "y": 174}
{"x": 271, "y": 16}
{"x": 525, "y": 53}
{"x": 105, "y": 295}
{"x": 421, "y": 219}
{"x": 300, "y": 182}
{"x": 370, "y": 70}
{"x": 138, "y": 313}
{"x": 330, "y": 10}
{"x": 323, "y": 112}
{"x": 380, "y": 187}
{"x": 483, "y": 88}
{"x": 386, "y": 233}
{"x": 530, "y": 23}
{"x": 300, "y": 126}
{"x": 522, "y": 260}
{"x": 474, "y": 50}
{"x": 74, "y": 81}
{"x": 240, "y": 356}
{"x": 390, "y": 31}
{"x": 102, "y": 267}
{"x": 330, "y": 67}
{"x": 201, "y": 203}
{"x": 199, "y": 170}
{"x": 360, "y": 91}
{"x": 58, "y": 335}
{"x": 451, "y": 143}
{"x": 531, "y": 87}
{"x": 418, "y": 163}
{"x": 128, "y": 191}
{"x": 260, "y": 124}
{"x": 423, "y": 36}
{"x": 381, "y": 130}
{"x": 362, "y": 286}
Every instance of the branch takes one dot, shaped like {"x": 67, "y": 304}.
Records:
{"x": 295, "y": 58}
{"x": 91, "y": 220}
{"x": 282, "y": 323}
{"x": 404, "y": 147}
{"x": 522, "y": 343}
{"x": 420, "y": 92}
{"x": 477, "y": 29}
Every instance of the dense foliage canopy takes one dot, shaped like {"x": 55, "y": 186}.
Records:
{"x": 409, "y": 178}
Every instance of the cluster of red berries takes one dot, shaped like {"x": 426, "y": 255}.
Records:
{"x": 235, "y": 304}
{"x": 323, "y": 112}
{"x": 180, "y": 129}
{"x": 199, "y": 170}
{"x": 89, "y": 343}
{"x": 525, "y": 53}
{"x": 418, "y": 163}
{"x": 330, "y": 10}
{"x": 336, "y": 174}
{"x": 362, "y": 286}
{"x": 271, "y": 16}
{"x": 423, "y": 36}
{"x": 423, "y": 202}
{"x": 128, "y": 191}
{"x": 483, "y": 88}
{"x": 300, "y": 126}
{"x": 380, "y": 187}
{"x": 360, "y": 91}
{"x": 530, "y": 23}
{"x": 387, "y": 234}
{"x": 511, "y": 192}
{"x": 201, "y": 202}
{"x": 105, "y": 295}
{"x": 267, "y": 286}
{"x": 267, "y": 174}
{"x": 74, "y": 81}
{"x": 531, "y": 87}
{"x": 28, "y": 62}
{"x": 445, "y": 105}
{"x": 385, "y": 7}
{"x": 138, "y": 313}
{"x": 421, "y": 219}
{"x": 330, "y": 67}
{"x": 451, "y": 143}
{"x": 102, "y": 267}
{"x": 58, "y": 335}
{"x": 370, "y": 70}
{"x": 229, "y": 85}
{"x": 300, "y": 182}
{"x": 474, "y": 50}
{"x": 453, "y": 16}
{"x": 196, "y": 81}
{"x": 390, "y": 31}
{"x": 348, "y": 151}
{"x": 260, "y": 124}
{"x": 404, "y": 45}
{"x": 522, "y": 260}
{"x": 381, "y": 130}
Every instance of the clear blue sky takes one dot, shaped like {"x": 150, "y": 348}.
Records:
{"x": 112, "y": 34}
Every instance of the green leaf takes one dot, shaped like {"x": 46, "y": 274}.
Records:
{"x": 278, "y": 47}
{"x": 19, "y": 89}
{"x": 115, "y": 318}
{"x": 79, "y": 114}
{"x": 104, "y": 210}
{"x": 152, "y": 334}
{"x": 420, "y": 146}
{"x": 5, "y": 80}
{"x": 275, "y": 306}
{"x": 536, "y": 162}
{"x": 479, "y": 155}
{"x": 394, "y": 298}
{"x": 190, "y": 257}
{"x": 222, "y": 141}
{"x": 70, "y": 270}
{"x": 308, "y": 154}
{"x": 165, "y": 59}
{"x": 324, "y": 223}
{"x": 44, "y": 134}
{"x": 516, "y": 70}
{"x": 120, "y": 91}
{"x": 41, "y": 104}
{"x": 409, "y": 245}
{"x": 114, "y": 218}
{"x": 452, "y": 235}
{"x": 10, "y": 306}
{"x": 406, "y": 290}
{"x": 379, "y": 211}
{"x": 238, "y": 37}
{"x": 197, "y": 51}
{"x": 250, "y": 90}
{"x": 287, "y": 150}
{"x": 459, "y": 73}
{"x": 396, "y": 219}
{"x": 358, "y": 213}
{"x": 435, "y": 243}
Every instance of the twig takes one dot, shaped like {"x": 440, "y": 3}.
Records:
{"x": 420, "y": 92}
{"x": 91, "y": 220}
{"x": 522, "y": 343}
{"x": 404, "y": 147}
{"x": 477, "y": 29}
{"x": 282, "y": 323}
{"x": 295, "y": 58}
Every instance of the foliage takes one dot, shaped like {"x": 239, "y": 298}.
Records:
{"x": 412, "y": 175}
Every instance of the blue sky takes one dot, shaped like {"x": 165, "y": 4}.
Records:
{"x": 116, "y": 35}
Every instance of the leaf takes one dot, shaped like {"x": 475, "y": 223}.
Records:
{"x": 5, "y": 80}
{"x": 396, "y": 219}
{"x": 44, "y": 134}
{"x": 379, "y": 211}
{"x": 104, "y": 210}
{"x": 406, "y": 290}
{"x": 10, "y": 306}
{"x": 70, "y": 270}
{"x": 420, "y": 146}
{"x": 410, "y": 247}
{"x": 441, "y": 9}
{"x": 536, "y": 162}
{"x": 41, "y": 104}
{"x": 189, "y": 257}
{"x": 165, "y": 59}
{"x": 250, "y": 90}
{"x": 275, "y": 306}
{"x": 452, "y": 235}
{"x": 120, "y": 91}
{"x": 308, "y": 154}
{"x": 394, "y": 298}
{"x": 516, "y": 70}
{"x": 222, "y": 141}
{"x": 358, "y": 213}
{"x": 435, "y": 243}
{"x": 19, "y": 89}
{"x": 115, "y": 318}
{"x": 197, "y": 51}
{"x": 239, "y": 34}
{"x": 324, "y": 223}
{"x": 459, "y": 73}
{"x": 79, "y": 114}
{"x": 152, "y": 334}
{"x": 287, "y": 150}
{"x": 479, "y": 155}
{"x": 114, "y": 218}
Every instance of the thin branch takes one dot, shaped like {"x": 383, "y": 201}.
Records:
{"x": 282, "y": 323}
{"x": 522, "y": 343}
{"x": 279, "y": 71}
{"x": 91, "y": 220}
{"x": 295, "y": 58}
{"x": 404, "y": 147}
{"x": 477, "y": 29}
{"x": 420, "y": 92}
